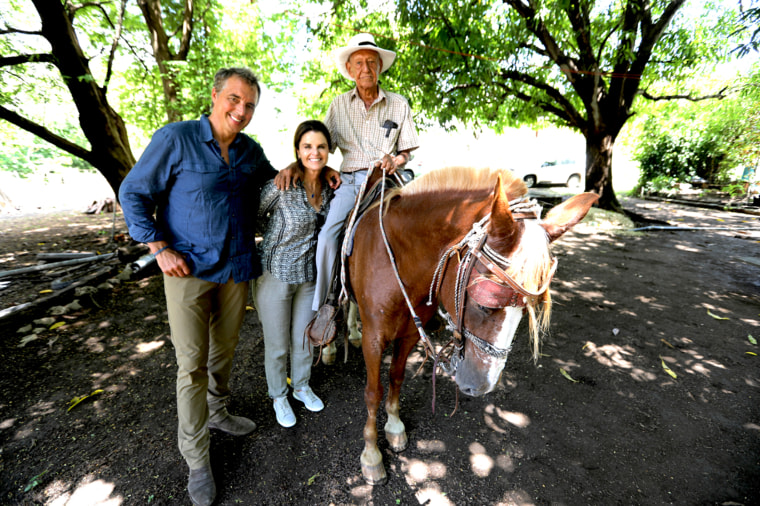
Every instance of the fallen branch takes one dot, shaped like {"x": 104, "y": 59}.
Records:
{"x": 46, "y": 257}
{"x": 101, "y": 273}
{"x": 675, "y": 227}
{"x": 45, "y": 267}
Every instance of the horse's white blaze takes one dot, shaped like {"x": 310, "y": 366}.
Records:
{"x": 512, "y": 317}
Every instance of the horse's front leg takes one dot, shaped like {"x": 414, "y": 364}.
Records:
{"x": 354, "y": 335}
{"x": 395, "y": 432}
{"x": 371, "y": 459}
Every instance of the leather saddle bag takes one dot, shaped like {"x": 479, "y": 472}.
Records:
{"x": 321, "y": 330}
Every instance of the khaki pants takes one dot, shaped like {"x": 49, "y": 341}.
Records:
{"x": 205, "y": 321}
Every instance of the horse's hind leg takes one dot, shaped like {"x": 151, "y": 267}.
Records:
{"x": 395, "y": 431}
{"x": 371, "y": 459}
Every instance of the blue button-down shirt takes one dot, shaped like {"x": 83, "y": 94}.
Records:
{"x": 183, "y": 192}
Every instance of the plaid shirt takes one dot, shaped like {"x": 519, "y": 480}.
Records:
{"x": 359, "y": 133}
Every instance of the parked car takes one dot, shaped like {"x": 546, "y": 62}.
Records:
{"x": 566, "y": 172}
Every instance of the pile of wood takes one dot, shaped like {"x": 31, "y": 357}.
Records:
{"x": 61, "y": 275}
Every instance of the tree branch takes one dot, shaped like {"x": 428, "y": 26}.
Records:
{"x": 26, "y": 58}
{"x": 8, "y": 30}
{"x": 579, "y": 20}
{"x": 114, "y": 45}
{"x": 570, "y": 113}
{"x": 539, "y": 29}
{"x": 187, "y": 30}
{"x": 44, "y": 133}
{"x": 719, "y": 95}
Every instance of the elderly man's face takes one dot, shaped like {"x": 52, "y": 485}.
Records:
{"x": 364, "y": 66}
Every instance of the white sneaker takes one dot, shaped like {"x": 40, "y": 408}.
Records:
{"x": 309, "y": 399}
{"x": 284, "y": 412}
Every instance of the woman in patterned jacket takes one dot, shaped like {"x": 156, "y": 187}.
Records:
{"x": 283, "y": 295}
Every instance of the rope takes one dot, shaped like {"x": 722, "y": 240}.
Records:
{"x": 417, "y": 321}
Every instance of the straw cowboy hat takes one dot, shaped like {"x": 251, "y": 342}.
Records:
{"x": 357, "y": 43}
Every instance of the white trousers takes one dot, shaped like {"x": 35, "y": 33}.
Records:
{"x": 284, "y": 310}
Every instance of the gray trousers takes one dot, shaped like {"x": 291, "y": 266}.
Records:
{"x": 328, "y": 244}
{"x": 284, "y": 310}
{"x": 205, "y": 321}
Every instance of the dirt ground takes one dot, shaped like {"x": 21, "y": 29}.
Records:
{"x": 618, "y": 429}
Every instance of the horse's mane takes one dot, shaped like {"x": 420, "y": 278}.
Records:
{"x": 464, "y": 179}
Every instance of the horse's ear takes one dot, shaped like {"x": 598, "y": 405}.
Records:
{"x": 502, "y": 229}
{"x": 562, "y": 217}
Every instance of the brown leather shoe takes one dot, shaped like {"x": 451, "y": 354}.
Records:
{"x": 201, "y": 486}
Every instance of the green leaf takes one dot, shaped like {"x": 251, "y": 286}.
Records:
{"x": 667, "y": 369}
{"x": 751, "y": 339}
{"x": 716, "y": 316}
{"x": 76, "y": 400}
{"x": 567, "y": 375}
{"x": 34, "y": 482}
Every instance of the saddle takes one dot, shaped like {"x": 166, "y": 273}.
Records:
{"x": 322, "y": 329}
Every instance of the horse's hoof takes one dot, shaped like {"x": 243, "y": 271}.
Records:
{"x": 356, "y": 342}
{"x": 328, "y": 356}
{"x": 397, "y": 442}
{"x": 374, "y": 475}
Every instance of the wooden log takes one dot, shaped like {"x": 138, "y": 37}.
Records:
{"x": 47, "y": 257}
{"x": 92, "y": 278}
{"x": 45, "y": 267}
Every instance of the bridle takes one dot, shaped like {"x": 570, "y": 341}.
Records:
{"x": 503, "y": 290}
{"x": 472, "y": 249}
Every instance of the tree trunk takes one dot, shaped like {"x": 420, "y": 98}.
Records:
{"x": 163, "y": 53}
{"x": 599, "y": 170}
{"x": 103, "y": 127}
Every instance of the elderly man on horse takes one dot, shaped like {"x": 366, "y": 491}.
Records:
{"x": 373, "y": 128}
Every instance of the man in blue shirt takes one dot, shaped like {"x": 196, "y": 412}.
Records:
{"x": 192, "y": 198}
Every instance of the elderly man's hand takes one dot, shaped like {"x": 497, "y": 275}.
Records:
{"x": 333, "y": 177}
{"x": 286, "y": 176}
{"x": 388, "y": 163}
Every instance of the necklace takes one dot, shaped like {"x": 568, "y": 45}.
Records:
{"x": 312, "y": 190}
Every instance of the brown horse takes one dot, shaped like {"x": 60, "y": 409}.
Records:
{"x": 470, "y": 242}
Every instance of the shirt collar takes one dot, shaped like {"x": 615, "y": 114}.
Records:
{"x": 207, "y": 135}
{"x": 380, "y": 93}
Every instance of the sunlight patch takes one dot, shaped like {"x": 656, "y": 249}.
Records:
{"x": 516, "y": 498}
{"x": 94, "y": 493}
{"x": 433, "y": 497}
{"x": 688, "y": 248}
{"x": 42, "y": 408}
{"x": 432, "y": 446}
{"x": 419, "y": 471}
{"x": 362, "y": 491}
{"x": 610, "y": 355}
{"x": 520, "y": 420}
{"x": 148, "y": 347}
{"x": 480, "y": 462}
{"x": 642, "y": 375}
